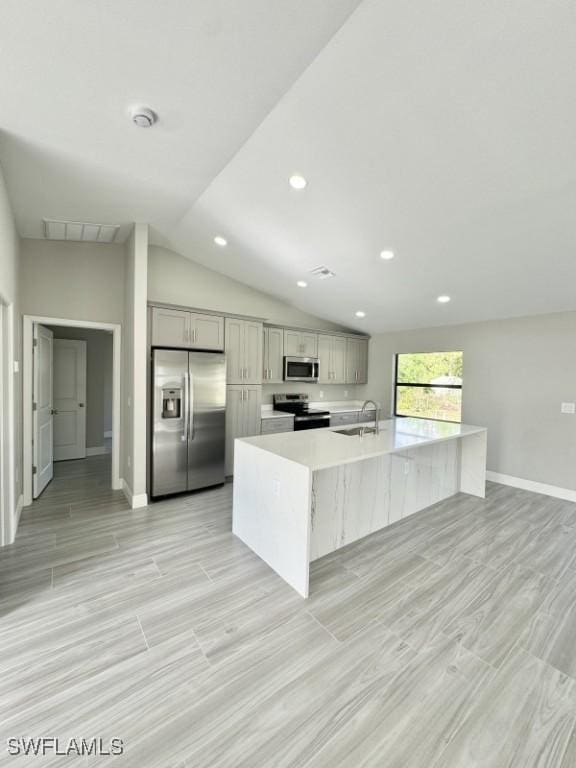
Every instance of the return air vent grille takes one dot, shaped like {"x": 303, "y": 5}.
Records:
{"x": 80, "y": 231}
{"x": 322, "y": 273}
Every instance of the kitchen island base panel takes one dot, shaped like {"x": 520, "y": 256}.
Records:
{"x": 354, "y": 500}
{"x": 291, "y": 512}
{"x": 272, "y": 511}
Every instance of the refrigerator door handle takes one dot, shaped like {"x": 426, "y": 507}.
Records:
{"x": 191, "y": 404}
{"x": 185, "y": 410}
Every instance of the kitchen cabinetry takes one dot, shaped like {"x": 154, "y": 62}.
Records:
{"x": 300, "y": 343}
{"x": 341, "y": 419}
{"x": 281, "y": 424}
{"x": 187, "y": 330}
{"x": 243, "y": 346}
{"x": 332, "y": 356}
{"x": 243, "y": 411}
{"x": 356, "y": 361}
{"x": 273, "y": 372}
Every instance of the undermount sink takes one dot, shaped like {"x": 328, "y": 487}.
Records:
{"x": 356, "y": 431}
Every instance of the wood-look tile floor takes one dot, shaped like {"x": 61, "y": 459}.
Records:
{"x": 445, "y": 641}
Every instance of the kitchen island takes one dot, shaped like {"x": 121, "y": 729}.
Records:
{"x": 299, "y": 496}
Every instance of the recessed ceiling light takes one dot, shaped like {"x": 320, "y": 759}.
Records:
{"x": 221, "y": 241}
{"x": 443, "y": 299}
{"x": 360, "y": 313}
{"x": 302, "y": 284}
{"x": 297, "y": 182}
{"x": 386, "y": 255}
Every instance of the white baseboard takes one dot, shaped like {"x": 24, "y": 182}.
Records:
{"x": 15, "y": 520}
{"x": 108, "y": 433}
{"x": 18, "y": 512}
{"x": 96, "y": 450}
{"x": 135, "y": 501}
{"x": 531, "y": 485}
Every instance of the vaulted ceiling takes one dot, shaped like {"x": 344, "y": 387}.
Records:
{"x": 445, "y": 132}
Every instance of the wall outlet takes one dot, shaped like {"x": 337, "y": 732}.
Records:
{"x": 568, "y": 408}
{"x": 277, "y": 487}
{"x": 345, "y": 393}
{"x": 129, "y": 461}
{"x": 16, "y": 366}
{"x": 321, "y": 394}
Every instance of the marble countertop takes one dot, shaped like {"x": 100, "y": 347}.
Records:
{"x": 324, "y": 448}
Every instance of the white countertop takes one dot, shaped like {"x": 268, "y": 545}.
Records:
{"x": 339, "y": 406}
{"x": 323, "y": 448}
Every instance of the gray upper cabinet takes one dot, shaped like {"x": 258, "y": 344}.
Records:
{"x": 273, "y": 372}
{"x": 207, "y": 331}
{"x": 300, "y": 343}
{"x": 190, "y": 330}
{"x": 332, "y": 356}
{"x": 243, "y": 346}
{"x": 356, "y": 361}
{"x": 170, "y": 328}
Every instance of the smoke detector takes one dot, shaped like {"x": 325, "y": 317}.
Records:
{"x": 143, "y": 117}
{"x": 322, "y": 273}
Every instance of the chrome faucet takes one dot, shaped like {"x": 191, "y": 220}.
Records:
{"x": 377, "y": 417}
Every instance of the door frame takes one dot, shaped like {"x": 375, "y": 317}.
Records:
{"x": 8, "y": 506}
{"x": 27, "y": 371}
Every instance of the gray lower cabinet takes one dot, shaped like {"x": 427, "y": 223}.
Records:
{"x": 300, "y": 343}
{"x": 243, "y": 347}
{"x": 341, "y": 419}
{"x": 187, "y": 330}
{"x": 332, "y": 356}
{"x": 243, "y": 413}
{"x": 356, "y": 361}
{"x": 272, "y": 426}
{"x": 273, "y": 371}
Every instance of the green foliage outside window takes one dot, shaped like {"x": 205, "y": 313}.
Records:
{"x": 442, "y": 399}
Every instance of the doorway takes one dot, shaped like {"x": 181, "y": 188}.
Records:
{"x": 71, "y": 401}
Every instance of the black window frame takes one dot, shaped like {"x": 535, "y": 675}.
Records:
{"x": 426, "y": 386}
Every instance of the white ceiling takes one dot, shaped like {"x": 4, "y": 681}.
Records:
{"x": 444, "y": 131}
{"x": 70, "y": 70}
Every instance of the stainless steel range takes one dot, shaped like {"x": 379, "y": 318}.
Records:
{"x": 304, "y": 417}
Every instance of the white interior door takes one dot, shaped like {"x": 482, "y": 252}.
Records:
{"x": 42, "y": 409}
{"x": 69, "y": 399}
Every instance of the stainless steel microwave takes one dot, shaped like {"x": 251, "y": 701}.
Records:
{"x": 301, "y": 369}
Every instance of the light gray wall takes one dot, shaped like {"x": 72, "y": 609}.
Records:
{"x": 77, "y": 281}
{"x": 174, "y": 279}
{"x": 99, "y": 363}
{"x": 516, "y": 374}
{"x": 9, "y": 289}
{"x": 134, "y": 411}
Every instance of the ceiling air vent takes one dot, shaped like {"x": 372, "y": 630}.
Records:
{"x": 322, "y": 273}
{"x": 80, "y": 231}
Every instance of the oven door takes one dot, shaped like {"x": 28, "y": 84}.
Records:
{"x": 301, "y": 369}
{"x": 311, "y": 422}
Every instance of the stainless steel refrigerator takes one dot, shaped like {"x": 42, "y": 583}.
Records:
{"x": 188, "y": 420}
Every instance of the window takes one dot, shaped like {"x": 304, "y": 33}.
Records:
{"x": 429, "y": 385}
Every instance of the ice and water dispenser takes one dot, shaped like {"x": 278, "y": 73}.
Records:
{"x": 171, "y": 403}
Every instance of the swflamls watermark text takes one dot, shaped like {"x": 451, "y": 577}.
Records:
{"x": 73, "y": 747}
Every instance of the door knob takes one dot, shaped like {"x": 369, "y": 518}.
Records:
{"x": 53, "y": 412}
{"x": 80, "y": 405}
